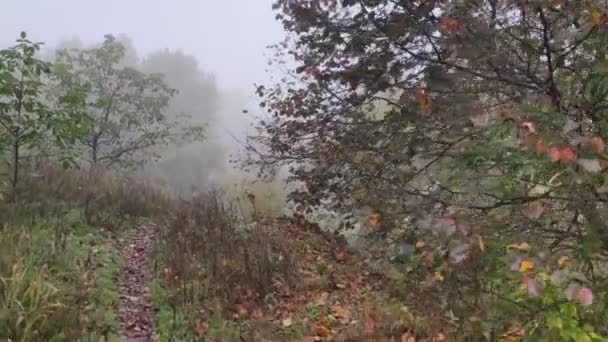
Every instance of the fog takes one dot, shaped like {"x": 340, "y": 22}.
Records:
{"x": 211, "y": 51}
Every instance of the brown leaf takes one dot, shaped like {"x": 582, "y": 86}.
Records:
{"x": 322, "y": 330}
{"x": 408, "y": 337}
{"x": 598, "y": 144}
{"x": 370, "y": 323}
{"x": 534, "y": 210}
{"x": 200, "y": 328}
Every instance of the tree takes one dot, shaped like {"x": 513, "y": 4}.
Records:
{"x": 127, "y": 106}
{"x": 30, "y": 115}
{"x": 198, "y": 97}
{"x": 454, "y": 114}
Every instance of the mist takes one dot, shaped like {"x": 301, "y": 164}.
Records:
{"x": 211, "y": 52}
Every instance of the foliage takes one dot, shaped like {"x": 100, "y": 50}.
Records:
{"x": 454, "y": 128}
{"x": 31, "y": 115}
{"x": 127, "y": 107}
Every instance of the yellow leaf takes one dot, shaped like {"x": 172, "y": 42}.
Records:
{"x": 596, "y": 16}
{"x": 523, "y": 246}
{"x": 437, "y": 276}
{"x": 526, "y": 266}
{"x": 481, "y": 244}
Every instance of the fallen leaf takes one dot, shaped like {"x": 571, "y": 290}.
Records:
{"x": 374, "y": 218}
{"x": 341, "y": 256}
{"x": 584, "y": 296}
{"x": 596, "y": 17}
{"x": 370, "y": 323}
{"x": 567, "y": 155}
{"x": 522, "y": 246}
{"x": 481, "y": 244}
{"x": 408, "y": 337}
{"x": 540, "y": 146}
{"x": 287, "y": 322}
{"x": 458, "y": 252}
{"x": 420, "y": 244}
{"x": 532, "y": 285}
{"x": 590, "y": 165}
{"x": 533, "y": 210}
{"x": 598, "y": 144}
{"x": 529, "y": 127}
{"x": 200, "y": 328}
{"x": 562, "y": 260}
{"x": 554, "y": 153}
{"x": 341, "y": 313}
{"x": 439, "y": 338}
{"x": 437, "y": 276}
{"x": 257, "y": 314}
{"x": 322, "y": 330}
{"x": 526, "y": 265}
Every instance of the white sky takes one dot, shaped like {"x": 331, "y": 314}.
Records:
{"x": 229, "y": 37}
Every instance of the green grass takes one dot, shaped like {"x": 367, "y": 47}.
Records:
{"x": 58, "y": 281}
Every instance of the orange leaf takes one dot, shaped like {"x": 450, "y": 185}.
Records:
{"x": 423, "y": 100}
{"x": 567, "y": 155}
{"x": 420, "y": 244}
{"x": 540, "y": 146}
{"x": 322, "y": 330}
{"x": 374, "y": 218}
{"x": 596, "y": 16}
{"x": 598, "y": 144}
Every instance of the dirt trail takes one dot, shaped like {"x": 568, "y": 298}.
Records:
{"x": 135, "y": 311}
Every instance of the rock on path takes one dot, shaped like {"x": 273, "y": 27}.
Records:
{"x": 135, "y": 310}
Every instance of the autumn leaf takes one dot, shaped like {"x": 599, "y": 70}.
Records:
{"x": 322, "y": 330}
{"x": 437, "y": 276}
{"x": 597, "y": 143}
{"x": 533, "y": 210}
{"x": 408, "y": 337}
{"x": 200, "y": 328}
{"x": 562, "y": 260}
{"x": 567, "y": 155}
{"x": 526, "y": 265}
{"x": 590, "y": 165}
{"x": 341, "y": 256}
{"x": 540, "y": 146}
{"x": 532, "y": 285}
{"x": 420, "y": 244}
{"x": 341, "y": 313}
{"x": 554, "y": 153}
{"x": 596, "y": 17}
{"x": 287, "y": 322}
{"x": 481, "y": 244}
{"x": 584, "y": 296}
{"x": 449, "y": 25}
{"x": 374, "y": 218}
{"x": 370, "y": 323}
{"x": 422, "y": 98}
